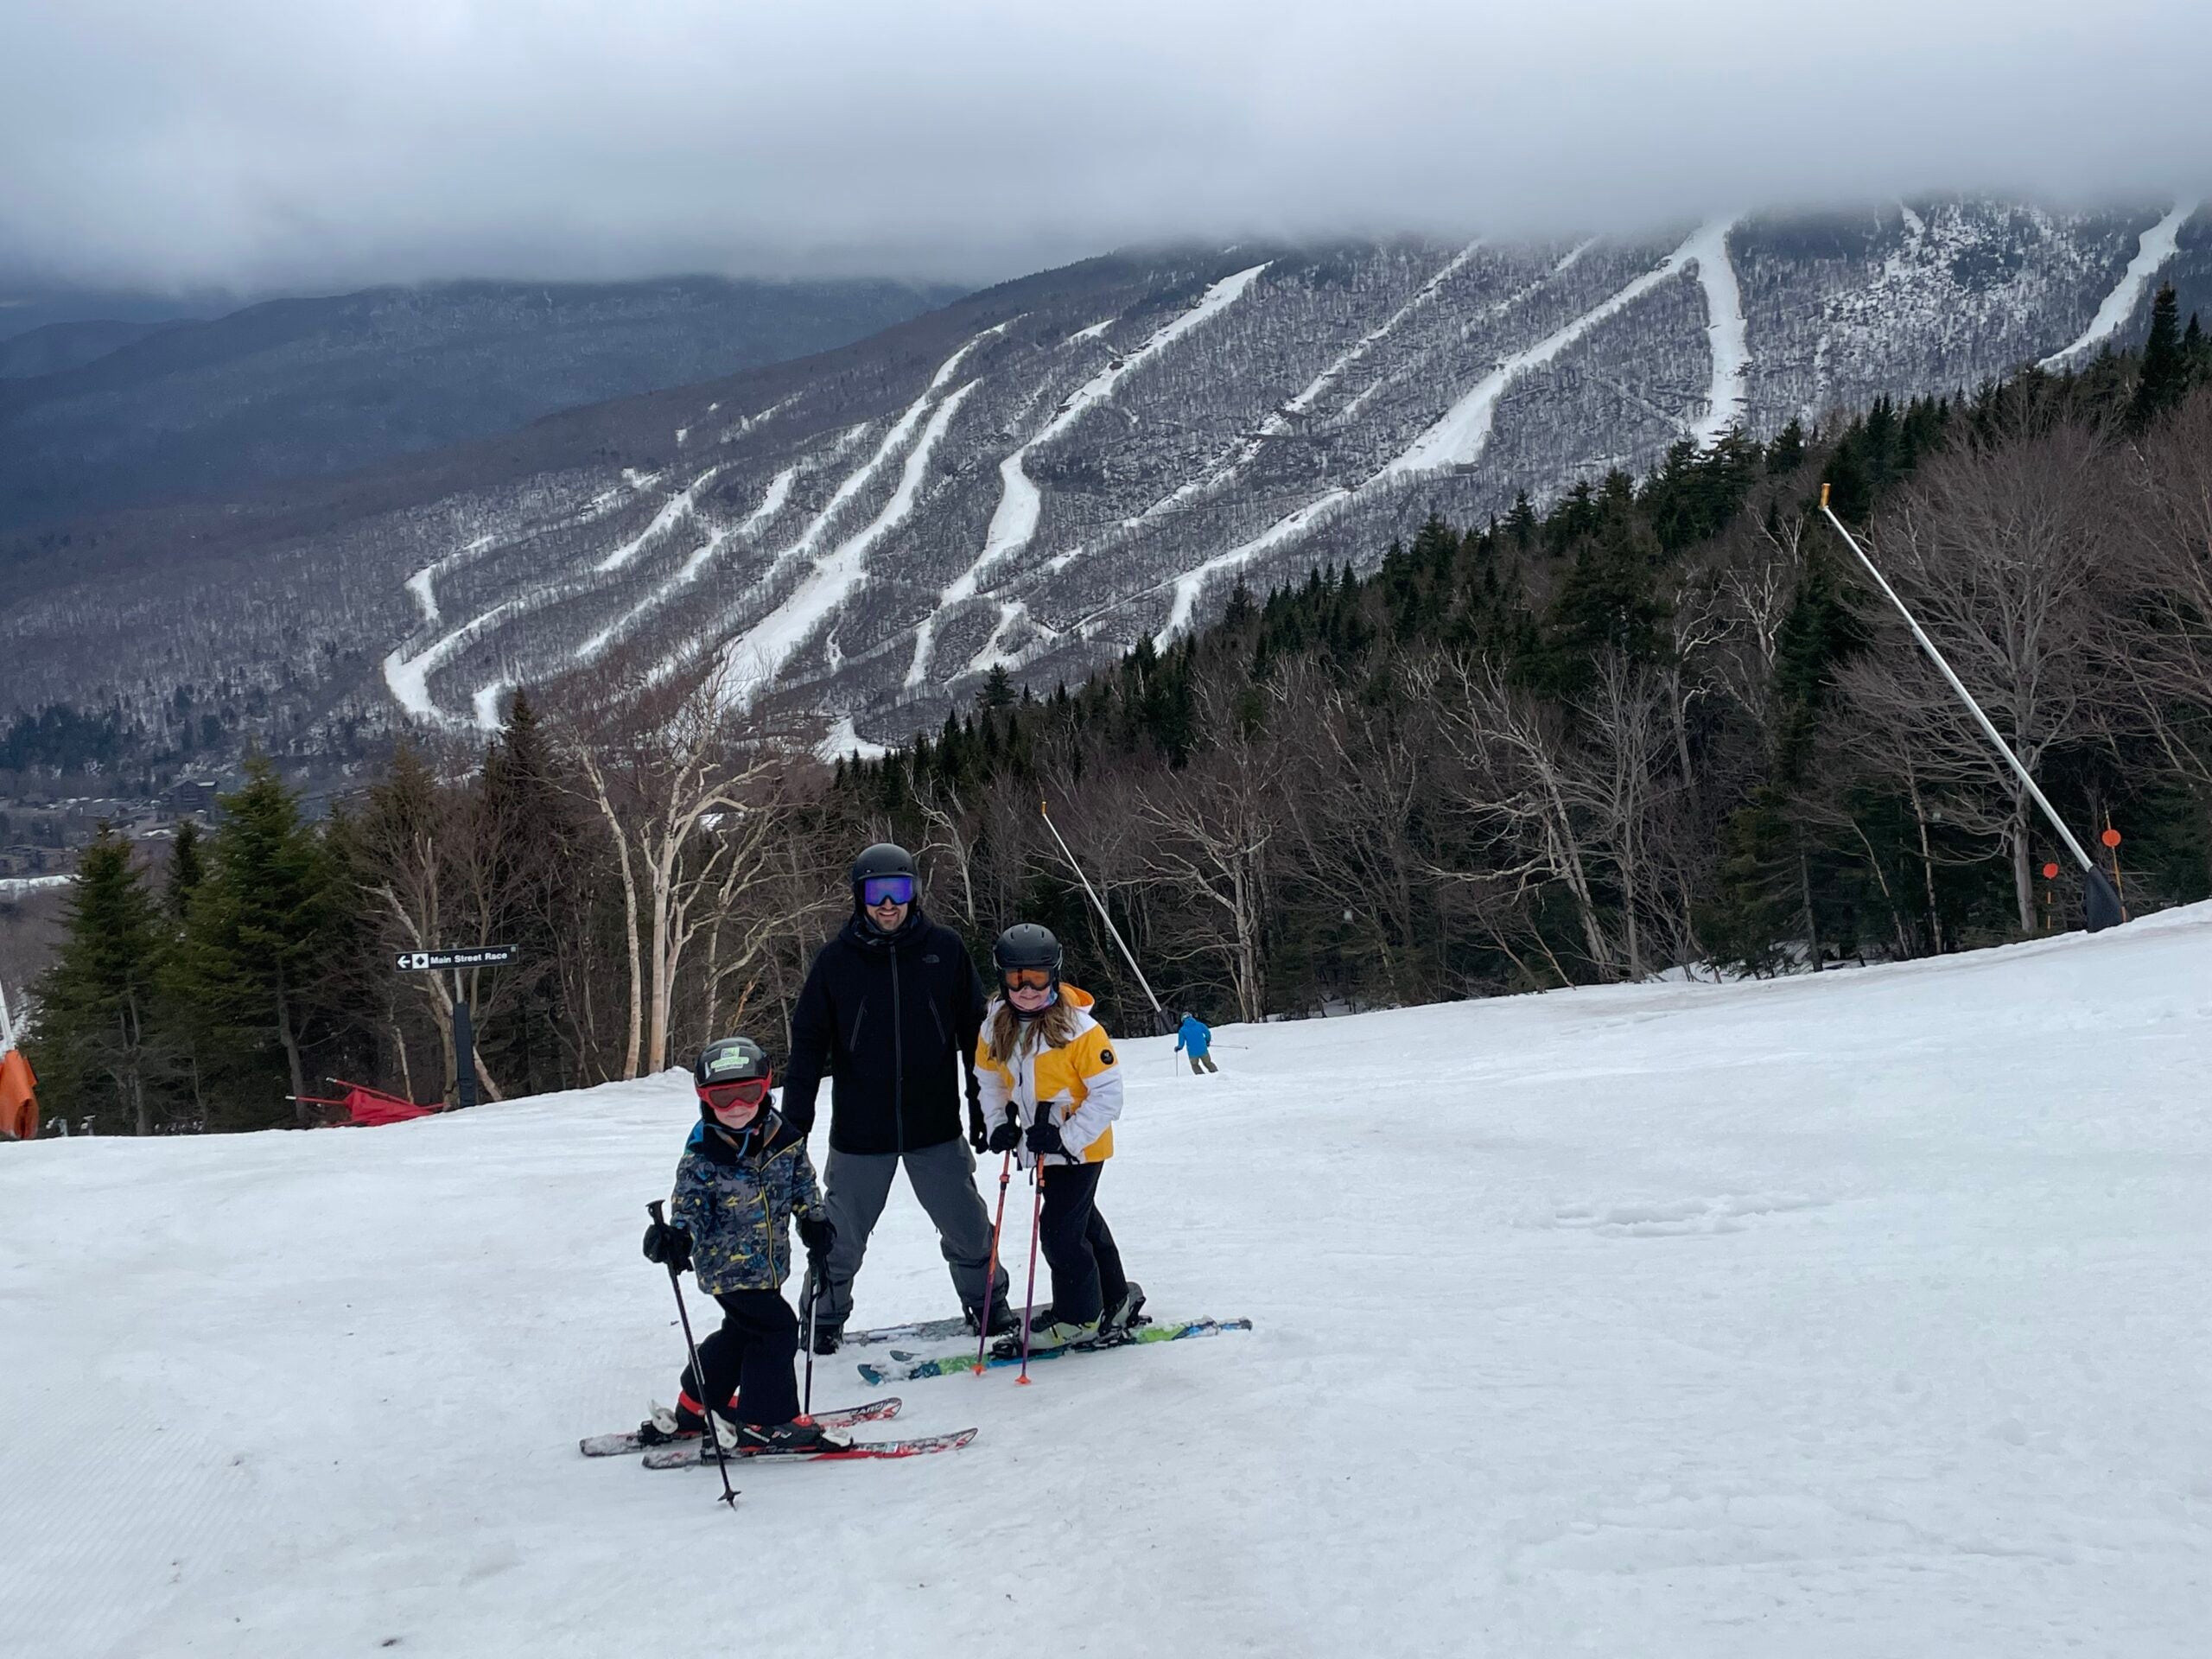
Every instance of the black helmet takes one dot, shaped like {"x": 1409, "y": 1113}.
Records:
{"x": 1027, "y": 945}
{"x": 732, "y": 1059}
{"x": 885, "y": 858}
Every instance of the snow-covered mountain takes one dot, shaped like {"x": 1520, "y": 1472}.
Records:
{"x": 1048, "y": 471}
{"x": 1856, "y": 1314}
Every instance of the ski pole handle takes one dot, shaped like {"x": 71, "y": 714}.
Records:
{"x": 654, "y": 1210}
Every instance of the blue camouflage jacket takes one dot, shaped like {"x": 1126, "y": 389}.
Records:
{"x": 737, "y": 1202}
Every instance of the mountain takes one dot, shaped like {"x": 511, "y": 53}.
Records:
{"x": 1850, "y": 1314}
{"x": 312, "y": 387}
{"x": 1046, "y": 471}
{"x": 55, "y": 346}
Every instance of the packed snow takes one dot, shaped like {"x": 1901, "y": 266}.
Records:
{"x": 1861, "y": 1313}
{"x": 2153, "y": 249}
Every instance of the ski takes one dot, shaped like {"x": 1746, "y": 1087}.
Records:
{"x": 930, "y": 1331}
{"x": 905, "y": 1367}
{"x": 693, "y": 1453}
{"x": 615, "y": 1445}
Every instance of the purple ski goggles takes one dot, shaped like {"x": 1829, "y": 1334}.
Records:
{"x": 888, "y": 890}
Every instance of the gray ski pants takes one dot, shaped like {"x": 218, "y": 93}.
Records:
{"x": 943, "y": 1178}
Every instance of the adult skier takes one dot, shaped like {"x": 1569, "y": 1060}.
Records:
{"x": 1052, "y": 1083}
{"x": 1194, "y": 1038}
{"x": 743, "y": 1178}
{"x": 890, "y": 1009}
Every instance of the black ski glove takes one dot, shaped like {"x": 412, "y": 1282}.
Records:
{"x": 1045, "y": 1137}
{"x": 668, "y": 1245}
{"x": 1007, "y": 1136}
{"x": 979, "y": 1133}
{"x": 816, "y": 1234}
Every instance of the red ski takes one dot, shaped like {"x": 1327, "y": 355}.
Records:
{"x": 691, "y": 1455}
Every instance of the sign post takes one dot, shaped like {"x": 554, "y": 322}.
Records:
{"x": 464, "y": 1035}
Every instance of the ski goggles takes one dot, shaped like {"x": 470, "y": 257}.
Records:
{"x": 887, "y": 890}
{"x": 1027, "y": 979}
{"x": 751, "y": 1091}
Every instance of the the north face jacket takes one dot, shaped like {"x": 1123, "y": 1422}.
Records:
{"x": 1078, "y": 1083}
{"x": 892, "y": 1020}
{"x": 737, "y": 1203}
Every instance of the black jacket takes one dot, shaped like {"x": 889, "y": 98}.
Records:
{"x": 892, "y": 1019}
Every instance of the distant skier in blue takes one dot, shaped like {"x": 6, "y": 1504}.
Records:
{"x": 1192, "y": 1037}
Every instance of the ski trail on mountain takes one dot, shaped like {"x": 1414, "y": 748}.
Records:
{"x": 1459, "y": 438}
{"x": 779, "y": 489}
{"x": 2152, "y": 250}
{"x": 1279, "y": 419}
{"x": 1568, "y": 261}
{"x": 1015, "y": 522}
{"x": 756, "y": 656}
{"x": 676, "y": 508}
{"x": 409, "y": 676}
{"x": 419, "y": 585}
{"x": 1727, "y": 333}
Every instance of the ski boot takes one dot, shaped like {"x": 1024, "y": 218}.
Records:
{"x": 1047, "y": 1334}
{"x": 1125, "y": 1316}
{"x": 1002, "y": 1321}
{"x": 828, "y": 1339}
{"x": 678, "y": 1422}
{"x": 798, "y": 1439}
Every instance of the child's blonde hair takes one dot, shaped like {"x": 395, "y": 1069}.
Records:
{"x": 1009, "y": 1033}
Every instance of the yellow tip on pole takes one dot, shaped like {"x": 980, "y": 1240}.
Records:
{"x": 1824, "y": 494}
{"x": 1043, "y": 810}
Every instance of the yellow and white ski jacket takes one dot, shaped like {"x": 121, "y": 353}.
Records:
{"x": 1080, "y": 1083}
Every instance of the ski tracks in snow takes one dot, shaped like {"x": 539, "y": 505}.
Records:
{"x": 2153, "y": 249}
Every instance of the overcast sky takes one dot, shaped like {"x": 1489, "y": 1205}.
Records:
{"x": 271, "y": 144}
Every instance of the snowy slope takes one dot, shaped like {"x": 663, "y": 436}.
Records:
{"x": 1857, "y": 1315}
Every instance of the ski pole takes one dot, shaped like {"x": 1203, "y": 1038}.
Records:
{"x": 991, "y": 1271}
{"x": 1029, "y": 1296}
{"x": 698, "y": 1371}
{"x": 813, "y": 1303}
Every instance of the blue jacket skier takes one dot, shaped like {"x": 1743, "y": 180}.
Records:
{"x": 743, "y": 1179}
{"x": 1194, "y": 1038}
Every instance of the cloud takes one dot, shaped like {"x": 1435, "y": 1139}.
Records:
{"x": 270, "y": 143}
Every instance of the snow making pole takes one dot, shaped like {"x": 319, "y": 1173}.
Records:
{"x": 2099, "y": 901}
{"x": 1045, "y": 809}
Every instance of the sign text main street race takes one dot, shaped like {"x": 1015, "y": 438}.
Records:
{"x": 484, "y": 956}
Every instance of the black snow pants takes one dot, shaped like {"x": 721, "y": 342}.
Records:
{"x": 1078, "y": 1246}
{"x": 750, "y": 1356}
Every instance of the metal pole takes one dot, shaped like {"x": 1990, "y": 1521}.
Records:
{"x": 464, "y": 1049}
{"x": 2101, "y": 903}
{"x": 1043, "y": 810}
{"x": 6, "y": 1024}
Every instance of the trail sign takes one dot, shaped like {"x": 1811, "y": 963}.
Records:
{"x": 482, "y": 956}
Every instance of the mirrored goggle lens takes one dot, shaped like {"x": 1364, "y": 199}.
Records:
{"x": 723, "y": 1096}
{"x": 888, "y": 890}
{"x": 1028, "y": 979}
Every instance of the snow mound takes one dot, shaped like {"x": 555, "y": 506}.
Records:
{"x": 1857, "y": 1314}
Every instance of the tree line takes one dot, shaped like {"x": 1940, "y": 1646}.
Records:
{"x": 1661, "y": 722}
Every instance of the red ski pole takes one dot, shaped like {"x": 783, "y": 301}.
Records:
{"x": 991, "y": 1270}
{"x": 1029, "y": 1296}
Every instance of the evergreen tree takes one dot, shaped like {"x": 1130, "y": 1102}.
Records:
{"x": 997, "y": 690}
{"x": 2163, "y": 382}
{"x": 187, "y": 868}
{"x": 98, "y": 1049}
{"x": 253, "y": 937}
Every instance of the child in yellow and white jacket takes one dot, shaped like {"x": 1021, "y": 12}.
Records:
{"x": 1052, "y": 1086}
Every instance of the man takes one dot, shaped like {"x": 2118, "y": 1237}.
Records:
{"x": 891, "y": 1008}
{"x": 1194, "y": 1038}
